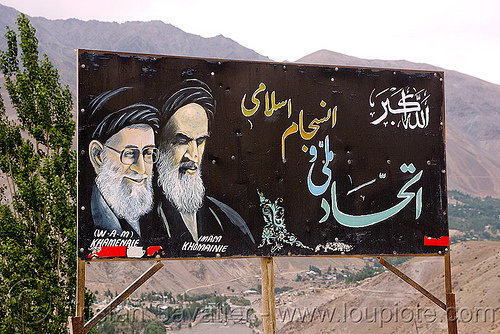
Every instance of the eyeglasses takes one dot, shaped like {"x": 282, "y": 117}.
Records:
{"x": 130, "y": 156}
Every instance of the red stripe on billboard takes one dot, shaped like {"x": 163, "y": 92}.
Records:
{"x": 443, "y": 241}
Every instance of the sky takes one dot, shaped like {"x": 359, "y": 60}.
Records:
{"x": 452, "y": 34}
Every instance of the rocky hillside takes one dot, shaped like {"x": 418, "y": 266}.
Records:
{"x": 386, "y": 304}
{"x": 382, "y": 304}
{"x": 203, "y": 276}
{"x": 60, "y": 39}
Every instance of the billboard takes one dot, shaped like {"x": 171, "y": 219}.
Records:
{"x": 188, "y": 157}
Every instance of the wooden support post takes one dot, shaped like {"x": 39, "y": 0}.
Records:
{"x": 268, "y": 306}
{"x": 80, "y": 288}
{"x": 272, "y": 306}
{"x": 451, "y": 310}
{"x": 76, "y": 323}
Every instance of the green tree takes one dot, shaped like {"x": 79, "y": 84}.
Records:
{"x": 315, "y": 269}
{"x": 106, "y": 327}
{"x": 38, "y": 200}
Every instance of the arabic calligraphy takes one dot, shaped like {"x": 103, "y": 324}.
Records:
{"x": 315, "y": 189}
{"x": 412, "y": 107}
{"x": 357, "y": 221}
{"x": 407, "y": 104}
{"x": 374, "y": 218}
{"x": 306, "y": 131}
{"x": 270, "y": 104}
{"x": 313, "y": 126}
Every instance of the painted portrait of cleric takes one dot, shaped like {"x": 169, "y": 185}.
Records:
{"x": 122, "y": 153}
{"x": 193, "y": 220}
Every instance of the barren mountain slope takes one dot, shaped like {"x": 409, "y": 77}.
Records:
{"x": 204, "y": 276}
{"x": 471, "y": 169}
{"x": 386, "y": 304}
{"x": 61, "y": 38}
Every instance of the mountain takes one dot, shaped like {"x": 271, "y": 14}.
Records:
{"x": 472, "y": 105}
{"x": 60, "y": 39}
{"x": 204, "y": 276}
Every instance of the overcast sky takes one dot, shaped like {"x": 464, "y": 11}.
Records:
{"x": 453, "y": 34}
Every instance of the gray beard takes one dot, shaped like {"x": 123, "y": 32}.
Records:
{"x": 185, "y": 191}
{"x": 128, "y": 201}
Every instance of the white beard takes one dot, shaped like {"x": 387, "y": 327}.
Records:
{"x": 128, "y": 201}
{"x": 185, "y": 191}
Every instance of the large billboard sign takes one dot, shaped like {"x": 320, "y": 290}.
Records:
{"x": 187, "y": 157}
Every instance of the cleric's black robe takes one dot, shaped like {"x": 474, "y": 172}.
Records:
{"x": 221, "y": 230}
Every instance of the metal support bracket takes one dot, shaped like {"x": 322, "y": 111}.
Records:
{"x": 449, "y": 307}
{"x": 414, "y": 284}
